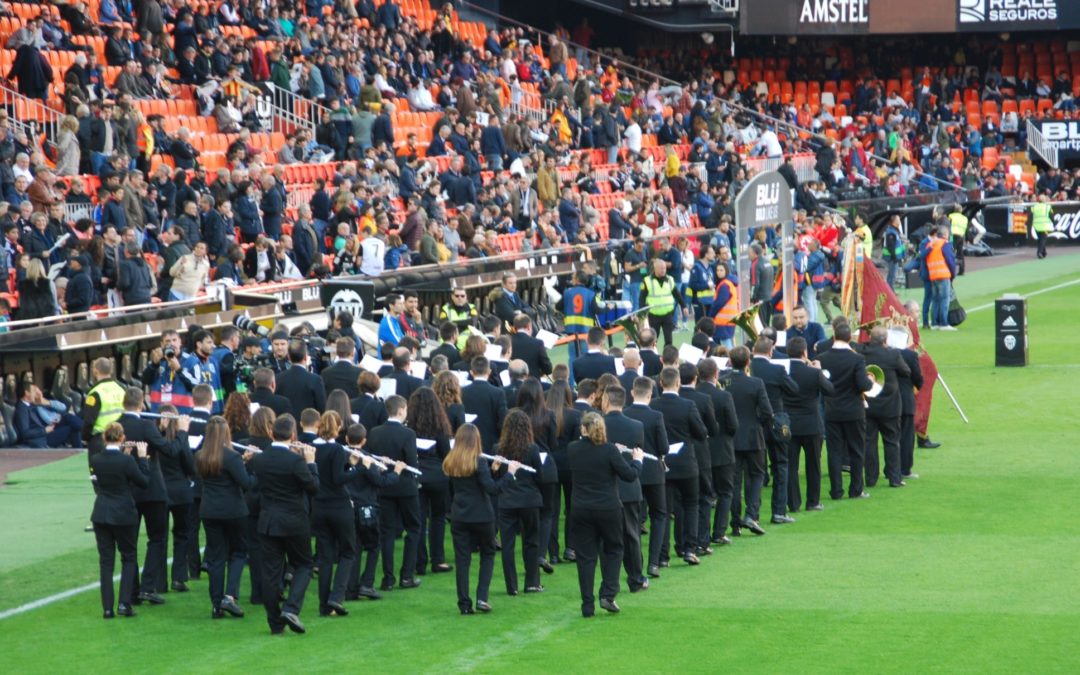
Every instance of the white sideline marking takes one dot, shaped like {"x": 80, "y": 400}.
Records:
{"x": 1028, "y": 295}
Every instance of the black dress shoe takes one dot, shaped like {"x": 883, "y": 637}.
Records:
{"x": 387, "y": 585}
{"x": 703, "y": 550}
{"x": 643, "y": 586}
{"x": 665, "y": 563}
{"x": 753, "y": 526}
{"x": 900, "y": 484}
{"x": 910, "y": 476}
{"x": 337, "y": 608}
{"x": 108, "y": 614}
{"x": 569, "y": 555}
{"x": 125, "y": 610}
{"x": 152, "y": 598}
{"x": 547, "y": 567}
{"x": 467, "y": 610}
{"x": 483, "y": 606}
{"x": 736, "y": 531}
{"x": 442, "y": 568}
{"x": 180, "y": 587}
{"x": 927, "y": 443}
{"x": 722, "y": 541}
{"x": 512, "y": 592}
{"x": 782, "y": 520}
{"x": 815, "y": 507}
{"x": 229, "y": 605}
{"x": 534, "y": 589}
{"x": 690, "y": 559}
{"x": 609, "y": 606}
{"x": 654, "y": 571}
{"x": 863, "y": 495}
{"x": 588, "y": 612}
{"x": 369, "y": 593}
{"x": 217, "y": 613}
{"x": 293, "y": 622}
{"x": 410, "y": 583}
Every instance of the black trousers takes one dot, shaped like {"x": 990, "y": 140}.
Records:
{"x": 255, "y": 566}
{"x": 665, "y": 323}
{"x": 367, "y": 550}
{"x": 749, "y": 479}
{"x": 958, "y": 252}
{"x": 844, "y": 445}
{"x": 907, "y": 444}
{"x": 631, "y": 536}
{"x": 156, "y": 517}
{"x": 296, "y": 549}
{"x": 181, "y": 533}
{"x": 110, "y": 539}
{"x": 566, "y": 487}
{"x": 396, "y": 514}
{"x": 889, "y": 428}
{"x": 598, "y": 535}
{"x": 811, "y": 445}
{"x": 335, "y": 536}
{"x": 1040, "y": 238}
{"x": 194, "y": 559}
{"x": 656, "y": 501}
{"x": 549, "y": 521}
{"x": 723, "y": 477}
{"x": 226, "y": 556}
{"x": 433, "y": 501}
{"x": 682, "y": 503}
{"x": 527, "y": 522}
{"x": 778, "y": 464}
{"x": 467, "y": 538}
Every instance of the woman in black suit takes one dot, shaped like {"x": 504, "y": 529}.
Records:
{"x": 560, "y": 401}
{"x": 472, "y": 521}
{"x": 179, "y": 473}
{"x": 115, "y": 518}
{"x": 224, "y": 514}
{"x": 520, "y": 502}
{"x": 428, "y": 419}
{"x": 530, "y": 400}
{"x": 448, "y": 388}
{"x": 332, "y": 515}
{"x": 237, "y": 415}
{"x": 37, "y": 295}
{"x": 260, "y": 434}
{"x": 338, "y": 401}
{"x": 367, "y": 406}
{"x": 596, "y": 467}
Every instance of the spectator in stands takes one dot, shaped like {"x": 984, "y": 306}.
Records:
{"x": 136, "y": 283}
{"x": 68, "y": 150}
{"x": 31, "y": 70}
{"x": 41, "y": 423}
{"x": 190, "y": 273}
{"x": 183, "y": 153}
{"x": 80, "y": 291}
{"x": 37, "y": 296}
{"x": 260, "y": 264}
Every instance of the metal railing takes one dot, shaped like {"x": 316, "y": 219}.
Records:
{"x": 802, "y": 162}
{"x": 29, "y": 115}
{"x": 1037, "y": 144}
{"x": 292, "y": 112}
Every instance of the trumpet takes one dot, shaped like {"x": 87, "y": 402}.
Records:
{"x": 630, "y": 451}
{"x": 504, "y": 460}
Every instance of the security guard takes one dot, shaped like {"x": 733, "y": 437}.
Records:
{"x": 661, "y": 296}
{"x": 580, "y": 305}
{"x": 104, "y": 405}
{"x": 725, "y": 307}
{"x": 700, "y": 288}
{"x": 462, "y": 313}
{"x": 958, "y": 226}
{"x": 1041, "y": 224}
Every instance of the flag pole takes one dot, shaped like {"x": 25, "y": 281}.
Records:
{"x": 952, "y": 398}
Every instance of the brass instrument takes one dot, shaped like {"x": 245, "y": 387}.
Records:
{"x": 749, "y": 321}
{"x": 878, "y": 376}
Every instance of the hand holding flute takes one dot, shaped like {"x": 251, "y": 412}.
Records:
{"x": 511, "y": 465}
{"x": 636, "y": 454}
{"x": 356, "y": 455}
{"x": 304, "y": 449}
{"x": 249, "y": 450}
{"x": 183, "y": 422}
{"x": 138, "y": 446}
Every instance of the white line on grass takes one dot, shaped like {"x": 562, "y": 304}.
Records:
{"x": 1028, "y": 295}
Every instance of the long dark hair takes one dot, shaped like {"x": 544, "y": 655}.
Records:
{"x": 516, "y": 436}
{"x": 559, "y": 398}
{"x": 461, "y": 462}
{"x": 530, "y": 400}
{"x": 338, "y": 401}
{"x": 216, "y": 442}
{"x": 167, "y": 426}
{"x": 427, "y": 416}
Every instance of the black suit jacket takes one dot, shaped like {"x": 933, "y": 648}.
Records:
{"x": 406, "y": 383}
{"x": 777, "y": 382}
{"x": 284, "y": 480}
{"x": 488, "y": 403}
{"x": 683, "y": 423}
{"x": 178, "y": 470}
{"x": 114, "y": 475}
{"x": 304, "y": 389}
{"x": 137, "y": 429}
{"x": 223, "y": 493}
{"x": 370, "y": 410}
{"x": 268, "y": 399}
{"x": 631, "y": 433}
{"x": 342, "y": 375}
{"x": 571, "y": 431}
{"x": 448, "y": 350}
{"x": 506, "y": 308}
{"x": 398, "y": 442}
{"x": 651, "y": 363}
{"x": 522, "y": 491}
{"x": 656, "y": 441}
{"x": 708, "y": 416}
{"x": 472, "y": 495}
{"x": 596, "y": 469}
{"x": 335, "y": 474}
{"x": 909, "y": 384}
{"x": 752, "y": 408}
{"x": 591, "y": 366}
{"x": 804, "y": 408}
{"x": 533, "y": 352}
{"x": 627, "y": 382}
{"x": 511, "y": 392}
{"x": 847, "y": 372}
{"x": 887, "y": 403}
{"x": 721, "y": 444}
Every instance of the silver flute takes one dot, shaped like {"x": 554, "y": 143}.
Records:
{"x": 357, "y": 452}
{"x": 160, "y": 416}
{"x": 383, "y": 461}
{"x": 246, "y": 448}
{"x": 630, "y": 451}
{"x": 504, "y": 460}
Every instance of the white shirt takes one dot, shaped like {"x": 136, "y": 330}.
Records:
{"x": 289, "y": 270}
{"x": 372, "y": 252}
{"x": 633, "y": 137}
{"x": 771, "y": 143}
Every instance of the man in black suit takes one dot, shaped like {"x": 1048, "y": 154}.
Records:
{"x": 652, "y": 473}
{"x": 286, "y": 482}
{"x": 721, "y": 454}
{"x": 631, "y": 433}
{"x": 883, "y": 413}
{"x": 845, "y": 413}
{"x": 528, "y": 348}
{"x": 518, "y": 371}
{"x": 343, "y": 373}
{"x": 777, "y": 384}
{"x": 303, "y": 388}
{"x": 485, "y": 401}
{"x": 631, "y": 359}
{"x": 399, "y": 504}
{"x": 754, "y": 412}
{"x": 265, "y": 385}
{"x": 406, "y": 383}
{"x": 650, "y": 359}
{"x": 448, "y": 335}
{"x": 683, "y": 423}
{"x": 706, "y": 495}
{"x": 152, "y": 502}
{"x": 807, "y": 429}
{"x": 908, "y": 386}
{"x": 200, "y": 415}
{"x": 509, "y": 303}
{"x": 595, "y": 363}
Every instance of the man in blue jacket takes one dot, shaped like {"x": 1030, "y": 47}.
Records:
{"x": 80, "y": 291}
{"x": 493, "y": 144}
{"x": 569, "y": 215}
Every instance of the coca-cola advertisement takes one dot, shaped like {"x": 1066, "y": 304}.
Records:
{"x": 1012, "y": 223}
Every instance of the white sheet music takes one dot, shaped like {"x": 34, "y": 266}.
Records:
{"x": 470, "y": 418}
{"x": 387, "y": 388}
{"x": 674, "y": 448}
{"x": 494, "y": 353}
{"x": 620, "y": 367}
{"x": 462, "y": 377}
{"x": 781, "y": 338}
{"x": 547, "y": 337}
{"x": 418, "y": 369}
{"x": 424, "y": 444}
{"x": 543, "y": 457}
{"x": 504, "y": 377}
{"x": 783, "y": 363}
{"x": 690, "y": 353}
{"x": 370, "y": 363}
{"x": 897, "y": 339}
{"x": 195, "y": 441}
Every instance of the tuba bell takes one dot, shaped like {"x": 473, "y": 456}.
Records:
{"x": 749, "y": 321}
{"x": 878, "y": 376}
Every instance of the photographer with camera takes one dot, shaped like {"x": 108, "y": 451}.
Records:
{"x": 162, "y": 374}
{"x": 247, "y": 361}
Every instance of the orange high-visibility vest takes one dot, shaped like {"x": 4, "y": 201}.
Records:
{"x": 726, "y": 315}
{"x": 935, "y": 261}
